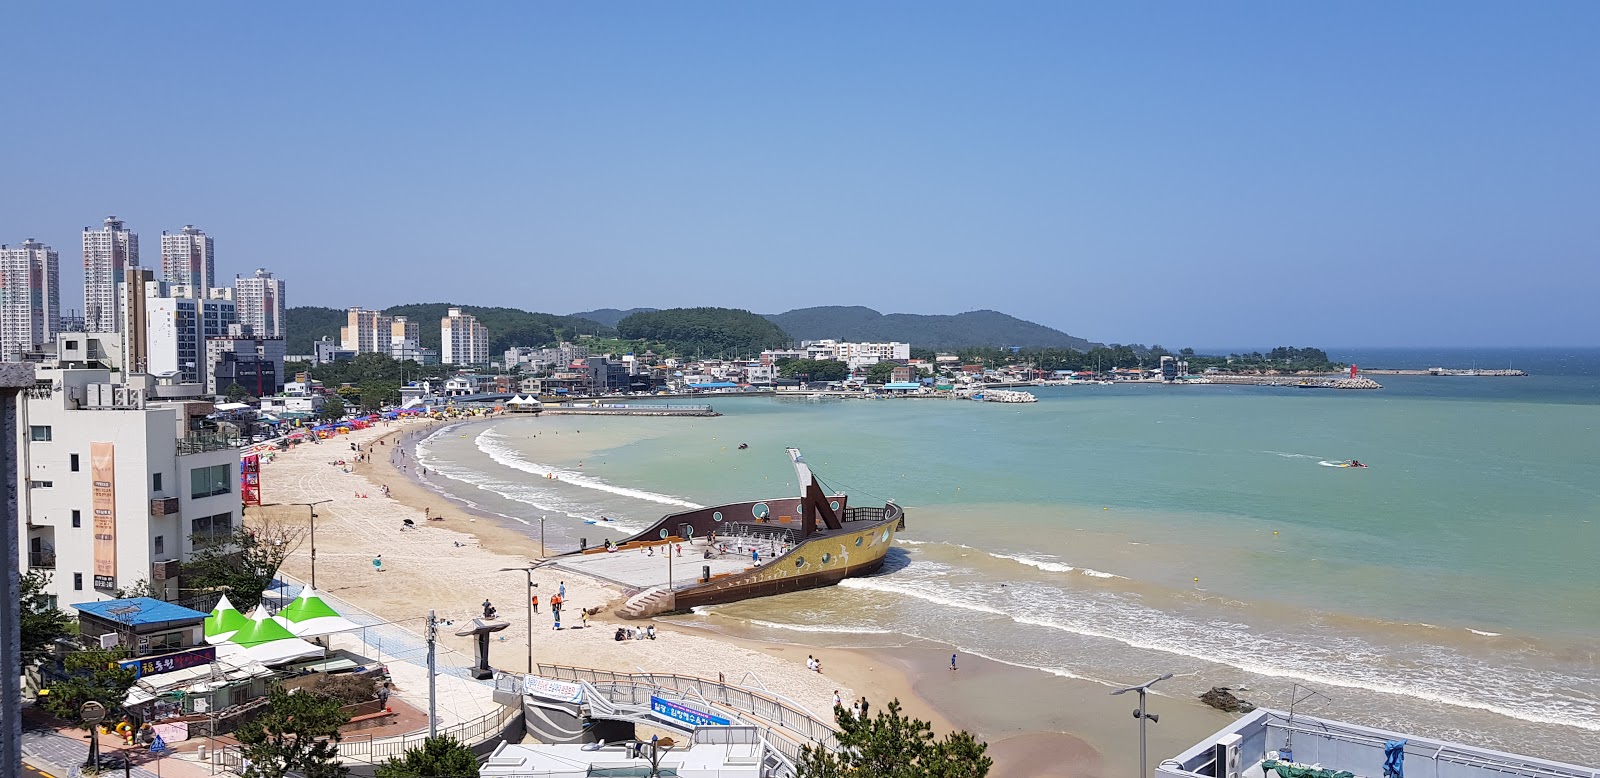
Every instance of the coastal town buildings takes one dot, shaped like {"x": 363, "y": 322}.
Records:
{"x": 541, "y": 359}
{"x": 405, "y": 342}
{"x": 366, "y": 332}
{"x": 30, "y": 297}
{"x": 462, "y": 340}
{"x": 239, "y": 357}
{"x": 121, "y": 481}
{"x": 326, "y": 352}
{"x": 188, "y": 257}
{"x": 259, "y": 301}
{"x": 108, "y": 253}
{"x": 138, "y": 285}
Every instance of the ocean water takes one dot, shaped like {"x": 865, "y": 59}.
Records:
{"x": 1114, "y": 532}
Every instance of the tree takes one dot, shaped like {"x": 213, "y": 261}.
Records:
{"x": 726, "y": 332}
{"x": 90, "y": 674}
{"x": 41, "y": 623}
{"x": 332, "y": 410}
{"x": 295, "y": 732}
{"x": 377, "y": 394}
{"x": 893, "y": 746}
{"x": 235, "y": 393}
{"x": 437, "y": 757}
{"x": 139, "y": 588}
{"x": 245, "y": 561}
{"x": 815, "y": 369}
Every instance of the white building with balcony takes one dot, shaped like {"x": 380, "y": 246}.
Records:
{"x": 117, "y": 485}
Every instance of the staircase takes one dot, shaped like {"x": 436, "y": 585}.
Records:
{"x": 650, "y": 602}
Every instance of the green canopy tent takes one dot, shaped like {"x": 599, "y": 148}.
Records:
{"x": 268, "y": 642}
{"x": 309, "y": 616}
{"x": 224, "y": 621}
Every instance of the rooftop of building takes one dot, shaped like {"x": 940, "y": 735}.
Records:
{"x": 1269, "y": 743}
{"x": 571, "y": 760}
{"x": 140, "y": 611}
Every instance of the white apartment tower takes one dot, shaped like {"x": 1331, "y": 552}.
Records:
{"x": 176, "y": 329}
{"x": 462, "y": 340}
{"x": 188, "y": 257}
{"x": 366, "y": 332}
{"x": 405, "y": 339}
{"x": 30, "y": 297}
{"x": 108, "y": 253}
{"x": 259, "y": 302}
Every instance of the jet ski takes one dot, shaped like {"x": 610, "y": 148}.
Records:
{"x": 1343, "y": 463}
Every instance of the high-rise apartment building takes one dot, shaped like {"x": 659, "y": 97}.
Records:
{"x": 259, "y": 302}
{"x": 405, "y": 339}
{"x": 188, "y": 257}
{"x": 30, "y": 297}
{"x": 131, "y": 295}
{"x": 462, "y": 340}
{"x": 176, "y": 329}
{"x": 108, "y": 253}
{"x": 366, "y": 332}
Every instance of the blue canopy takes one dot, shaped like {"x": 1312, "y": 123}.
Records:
{"x": 903, "y": 385}
{"x": 149, "y": 611}
{"x": 717, "y": 385}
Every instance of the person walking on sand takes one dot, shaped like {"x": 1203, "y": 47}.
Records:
{"x": 863, "y": 707}
{"x": 838, "y": 702}
{"x": 584, "y": 617}
{"x": 561, "y": 590}
{"x": 536, "y": 602}
{"x": 377, "y": 563}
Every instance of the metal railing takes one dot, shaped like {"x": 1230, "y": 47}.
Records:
{"x": 469, "y": 733}
{"x": 42, "y": 560}
{"x": 791, "y": 722}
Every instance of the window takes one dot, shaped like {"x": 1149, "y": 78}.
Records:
{"x": 74, "y": 462}
{"x": 210, "y": 481}
{"x": 161, "y": 544}
{"x": 42, "y": 484}
{"x": 77, "y": 582}
{"x": 155, "y": 482}
{"x": 77, "y": 517}
{"x": 211, "y": 528}
{"x": 39, "y": 432}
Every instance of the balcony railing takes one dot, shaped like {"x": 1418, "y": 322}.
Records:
{"x": 42, "y": 560}
{"x": 198, "y": 444}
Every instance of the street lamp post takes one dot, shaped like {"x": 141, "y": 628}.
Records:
{"x": 1140, "y": 714}
{"x": 312, "y": 506}
{"x": 527, "y": 598}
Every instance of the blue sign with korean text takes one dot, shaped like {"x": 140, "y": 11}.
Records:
{"x": 676, "y": 712}
{"x": 156, "y": 665}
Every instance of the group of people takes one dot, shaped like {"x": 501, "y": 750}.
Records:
{"x": 629, "y": 633}
{"x": 813, "y": 664}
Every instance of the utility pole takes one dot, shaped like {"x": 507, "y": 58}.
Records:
{"x": 433, "y": 700}
{"x": 312, "y": 506}
{"x": 1140, "y": 714}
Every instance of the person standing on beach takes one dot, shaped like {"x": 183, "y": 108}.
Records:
{"x": 562, "y": 590}
{"x": 377, "y": 563}
{"x": 536, "y": 602}
{"x": 838, "y": 702}
{"x": 863, "y": 707}
{"x": 952, "y": 661}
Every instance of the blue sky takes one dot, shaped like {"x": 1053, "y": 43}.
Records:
{"x": 1176, "y": 173}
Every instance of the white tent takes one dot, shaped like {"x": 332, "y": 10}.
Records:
{"x": 266, "y": 641}
{"x": 309, "y": 615}
{"x": 223, "y": 622}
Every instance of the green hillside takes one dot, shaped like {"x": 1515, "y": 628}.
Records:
{"x": 610, "y": 316}
{"x": 708, "y": 332}
{"x": 507, "y": 327}
{"x": 973, "y": 328}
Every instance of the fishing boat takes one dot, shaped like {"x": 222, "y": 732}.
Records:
{"x": 739, "y": 551}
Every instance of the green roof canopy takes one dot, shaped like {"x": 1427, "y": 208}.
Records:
{"x": 306, "y": 607}
{"x": 224, "y": 620}
{"x": 260, "y": 629}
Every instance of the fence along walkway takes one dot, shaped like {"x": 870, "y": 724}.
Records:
{"x": 469, "y": 733}
{"x": 791, "y": 726}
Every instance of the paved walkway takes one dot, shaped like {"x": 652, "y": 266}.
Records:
{"x": 60, "y": 755}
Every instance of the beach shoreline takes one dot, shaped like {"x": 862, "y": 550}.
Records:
{"x": 1060, "y": 726}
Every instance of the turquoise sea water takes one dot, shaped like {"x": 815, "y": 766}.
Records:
{"x": 1452, "y": 588}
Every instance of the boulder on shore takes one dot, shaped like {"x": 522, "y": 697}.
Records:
{"x": 1222, "y": 698}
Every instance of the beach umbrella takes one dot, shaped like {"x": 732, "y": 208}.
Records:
{"x": 309, "y": 615}
{"x": 223, "y": 622}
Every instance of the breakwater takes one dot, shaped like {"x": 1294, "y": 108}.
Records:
{"x": 619, "y": 409}
{"x": 1299, "y": 382}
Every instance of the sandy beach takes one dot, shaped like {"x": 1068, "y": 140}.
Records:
{"x": 1036, "y": 724}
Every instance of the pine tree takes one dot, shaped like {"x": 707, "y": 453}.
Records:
{"x": 295, "y": 732}
{"x": 894, "y": 746}
{"x": 438, "y": 757}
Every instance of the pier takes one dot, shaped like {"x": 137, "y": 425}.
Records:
{"x": 1445, "y": 371}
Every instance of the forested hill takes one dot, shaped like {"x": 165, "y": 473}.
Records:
{"x": 610, "y": 316}
{"x": 507, "y": 326}
{"x": 973, "y": 328}
{"x": 704, "y": 332}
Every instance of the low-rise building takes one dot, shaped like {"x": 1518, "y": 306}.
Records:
{"x": 251, "y": 362}
{"x": 122, "y": 481}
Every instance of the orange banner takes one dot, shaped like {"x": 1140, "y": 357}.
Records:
{"x": 103, "y": 471}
